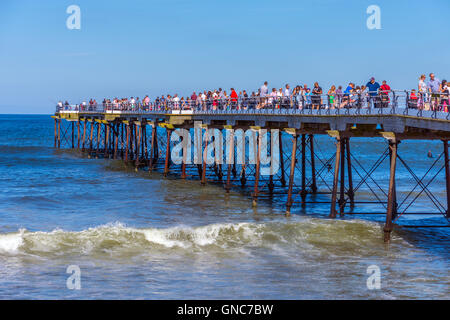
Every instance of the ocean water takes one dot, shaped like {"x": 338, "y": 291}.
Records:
{"x": 136, "y": 235}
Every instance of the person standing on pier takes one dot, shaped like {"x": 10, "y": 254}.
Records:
{"x": 423, "y": 92}
{"x": 263, "y": 93}
{"x": 444, "y": 106}
{"x": 316, "y": 100}
{"x": 373, "y": 87}
{"x": 385, "y": 89}
{"x": 331, "y": 97}
{"x": 434, "y": 87}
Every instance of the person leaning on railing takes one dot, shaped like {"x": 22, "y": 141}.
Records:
{"x": 444, "y": 106}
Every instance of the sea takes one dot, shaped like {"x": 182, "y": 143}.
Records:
{"x": 139, "y": 235}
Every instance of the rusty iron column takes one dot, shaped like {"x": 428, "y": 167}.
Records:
{"x": 231, "y": 157}
{"x": 342, "y": 187}
{"x": 291, "y": 174}
{"x": 447, "y": 176}
{"x": 257, "y": 169}
{"x": 84, "y": 135}
{"x": 394, "y": 191}
{"x": 336, "y": 176}
{"x": 59, "y": 133}
{"x": 127, "y": 137}
{"x": 116, "y": 140}
{"x": 91, "y": 138}
{"x": 205, "y": 153}
{"x": 152, "y": 148}
{"x": 73, "y": 134}
{"x": 303, "y": 191}
{"x": 106, "y": 152}
{"x": 166, "y": 164}
{"x": 132, "y": 140}
{"x": 389, "y": 226}
{"x": 283, "y": 175}
{"x": 185, "y": 155}
{"x": 78, "y": 133}
{"x": 313, "y": 164}
{"x": 56, "y": 133}
{"x": 350, "y": 192}
{"x": 99, "y": 132}
{"x": 138, "y": 144}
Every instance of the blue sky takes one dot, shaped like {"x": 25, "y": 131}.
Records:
{"x": 134, "y": 48}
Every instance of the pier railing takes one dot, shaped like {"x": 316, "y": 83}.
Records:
{"x": 392, "y": 102}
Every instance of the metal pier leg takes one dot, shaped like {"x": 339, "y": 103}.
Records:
{"x": 291, "y": 175}
{"x": 116, "y": 141}
{"x": 336, "y": 177}
{"x": 91, "y": 139}
{"x": 56, "y": 133}
{"x": 138, "y": 145}
{"x": 59, "y": 133}
{"x": 303, "y": 192}
{"x": 447, "y": 176}
{"x": 283, "y": 175}
{"x": 231, "y": 156}
{"x": 152, "y": 150}
{"x": 185, "y": 155}
{"x": 205, "y": 153}
{"x": 106, "y": 141}
{"x": 166, "y": 163}
{"x": 271, "y": 184}
{"x": 78, "y": 134}
{"x": 313, "y": 164}
{"x": 99, "y": 132}
{"x": 127, "y": 142}
{"x": 84, "y": 135}
{"x": 257, "y": 170}
{"x": 350, "y": 192}
{"x": 394, "y": 191}
{"x": 73, "y": 134}
{"x": 391, "y": 195}
{"x": 342, "y": 187}
{"x": 131, "y": 151}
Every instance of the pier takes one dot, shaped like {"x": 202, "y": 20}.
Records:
{"x": 146, "y": 137}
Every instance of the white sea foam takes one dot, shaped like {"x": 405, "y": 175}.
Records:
{"x": 116, "y": 238}
{"x": 10, "y": 243}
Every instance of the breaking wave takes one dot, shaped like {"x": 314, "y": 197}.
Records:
{"x": 117, "y": 239}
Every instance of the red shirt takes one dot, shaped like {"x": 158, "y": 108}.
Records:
{"x": 233, "y": 96}
{"x": 385, "y": 88}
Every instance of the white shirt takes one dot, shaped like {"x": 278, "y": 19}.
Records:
{"x": 264, "y": 91}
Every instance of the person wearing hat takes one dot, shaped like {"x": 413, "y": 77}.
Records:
{"x": 373, "y": 87}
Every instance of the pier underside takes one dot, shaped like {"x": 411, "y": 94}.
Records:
{"x": 275, "y": 157}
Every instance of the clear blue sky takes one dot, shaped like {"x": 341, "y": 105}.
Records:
{"x": 133, "y": 48}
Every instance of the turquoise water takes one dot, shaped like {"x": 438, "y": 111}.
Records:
{"x": 136, "y": 235}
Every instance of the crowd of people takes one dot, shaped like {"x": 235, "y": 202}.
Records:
{"x": 430, "y": 95}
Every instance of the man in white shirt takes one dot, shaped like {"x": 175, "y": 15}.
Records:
{"x": 287, "y": 91}
{"x": 264, "y": 90}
